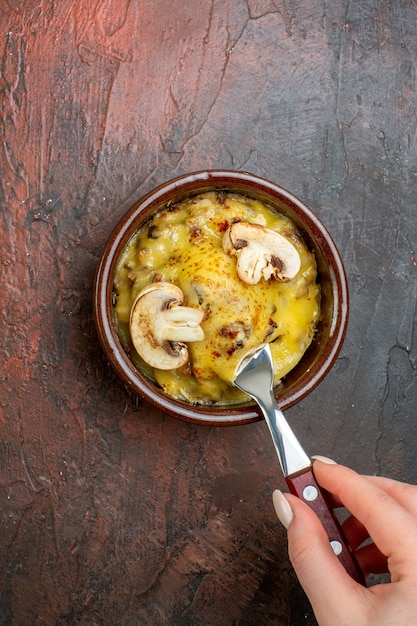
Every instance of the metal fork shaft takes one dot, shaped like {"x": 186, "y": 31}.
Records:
{"x": 291, "y": 454}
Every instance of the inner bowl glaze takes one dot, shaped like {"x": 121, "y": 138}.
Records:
{"x": 328, "y": 340}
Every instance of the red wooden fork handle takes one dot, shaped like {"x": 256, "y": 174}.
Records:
{"x": 304, "y": 486}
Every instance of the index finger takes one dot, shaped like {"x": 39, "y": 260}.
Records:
{"x": 403, "y": 493}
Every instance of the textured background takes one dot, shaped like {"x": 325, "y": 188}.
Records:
{"x": 112, "y": 512}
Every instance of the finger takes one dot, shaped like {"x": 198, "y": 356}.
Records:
{"x": 404, "y": 494}
{"x": 333, "y": 498}
{"x": 380, "y": 513}
{"x": 332, "y": 592}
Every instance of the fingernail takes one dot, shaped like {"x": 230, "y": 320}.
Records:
{"x": 282, "y": 508}
{"x": 324, "y": 459}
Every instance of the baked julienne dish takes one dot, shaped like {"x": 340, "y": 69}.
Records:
{"x": 206, "y": 281}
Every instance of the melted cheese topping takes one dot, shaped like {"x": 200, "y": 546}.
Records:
{"x": 183, "y": 245}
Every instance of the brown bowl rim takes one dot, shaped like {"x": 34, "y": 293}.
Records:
{"x": 172, "y": 191}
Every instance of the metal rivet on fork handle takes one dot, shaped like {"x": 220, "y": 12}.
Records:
{"x": 310, "y": 493}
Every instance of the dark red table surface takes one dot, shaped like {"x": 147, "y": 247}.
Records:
{"x": 113, "y": 512}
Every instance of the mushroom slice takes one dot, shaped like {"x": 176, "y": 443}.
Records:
{"x": 261, "y": 252}
{"x": 160, "y": 326}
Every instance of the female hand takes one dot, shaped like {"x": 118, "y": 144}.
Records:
{"x": 384, "y": 510}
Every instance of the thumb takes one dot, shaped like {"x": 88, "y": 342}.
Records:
{"x": 331, "y": 591}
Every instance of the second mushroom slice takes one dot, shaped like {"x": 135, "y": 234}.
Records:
{"x": 160, "y": 326}
{"x": 261, "y": 253}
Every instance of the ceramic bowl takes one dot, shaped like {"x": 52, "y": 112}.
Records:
{"x": 331, "y": 330}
